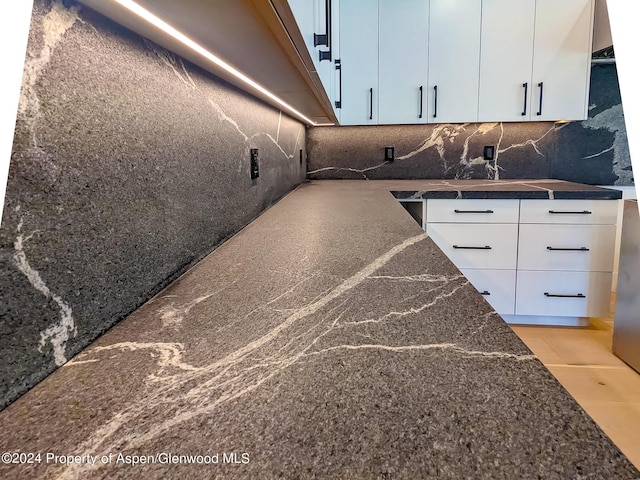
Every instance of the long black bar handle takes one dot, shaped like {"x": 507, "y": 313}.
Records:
{"x": 526, "y": 89}
{"x": 371, "y": 103}
{"x": 323, "y": 39}
{"x": 420, "y": 114}
{"x": 435, "y": 101}
{"x": 486, "y": 247}
{"x": 583, "y": 212}
{"x": 473, "y": 211}
{"x": 579, "y": 295}
{"x": 540, "y": 107}
{"x": 338, "y": 102}
{"x": 580, "y": 249}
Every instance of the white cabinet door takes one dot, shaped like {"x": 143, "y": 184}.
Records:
{"x": 505, "y": 60}
{"x": 441, "y": 210}
{"x": 561, "y": 59}
{"x": 568, "y": 212}
{"x": 454, "y": 60}
{"x": 403, "y": 33}
{"x": 359, "y": 62}
{"x": 497, "y": 286}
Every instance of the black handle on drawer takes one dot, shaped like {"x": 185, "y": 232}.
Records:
{"x": 324, "y": 39}
{"x": 559, "y": 295}
{"x": 540, "y": 107}
{"x": 420, "y": 114}
{"x": 583, "y": 212}
{"x": 435, "y": 101}
{"x": 473, "y": 211}
{"x": 371, "y": 103}
{"x": 486, "y": 247}
{"x": 526, "y": 89}
{"x": 486, "y": 292}
{"x": 580, "y": 249}
{"x": 338, "y": 63}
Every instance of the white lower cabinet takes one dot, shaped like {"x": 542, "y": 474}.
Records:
{"x": 571, "y": 294}
{"x": 535, "y": 261}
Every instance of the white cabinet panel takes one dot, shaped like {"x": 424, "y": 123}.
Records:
{"x": 471, "y": 245}
{"x": 454, "y": 60}
{"x": 403, "y": 49}
{"x": 472, "y": 211}
{"x": 573, "y": 294}
{"x": 505, "y": 60}
{"x": 566, "y": 247}
{"x": 497, "y": 286}
{"x": 359, "y": 62}
{"x": 603, "y": 212}
{"x": 562, "y": 59}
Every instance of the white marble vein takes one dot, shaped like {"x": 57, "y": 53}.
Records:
{"x": 172, "y": 315}
{"x": 55, "y": 25}
{"x": 612, "y": 119}
{"x": 59, "y": 333}
{"x": 176, "y": 64}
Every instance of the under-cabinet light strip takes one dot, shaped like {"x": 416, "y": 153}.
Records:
{"x": 168, "y": 29}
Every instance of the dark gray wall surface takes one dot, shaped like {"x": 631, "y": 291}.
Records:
{"x": 594, "y": 151}
{"x": 128, "y": 166}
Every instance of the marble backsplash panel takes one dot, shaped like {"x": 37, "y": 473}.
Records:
{"x": 128, "y": 166}
{"x": 594, "y": 151}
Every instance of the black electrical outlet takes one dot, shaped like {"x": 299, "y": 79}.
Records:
{"x": 489, "y": 152}
{"x": 255, "y": 171}
{"x": 300, "y": 156}
{"x": 389, "y": 154}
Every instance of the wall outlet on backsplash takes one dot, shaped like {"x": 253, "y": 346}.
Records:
{"x": 255, "y": 172}
{"x": 489, "y": 152}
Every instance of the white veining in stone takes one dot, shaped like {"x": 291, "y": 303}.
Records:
{"x": 173, "y": 62}
{"x": 55, "y": 24}
{"x": 612, "y": 119}
{"x": 172, "y": 315}
{"x": 58, "y": 333}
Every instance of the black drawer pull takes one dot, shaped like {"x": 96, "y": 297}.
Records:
{"x": 540, "y": 108}
{"x": 526, "y": 87}
{"x": 583, "y": 212}
{"x": 486, "y": 247}
{"x": 579, "y": 295}
{"x": 473, "y": 211}
{"x": 581, "y": 249}
{"x": 486, "y": 292}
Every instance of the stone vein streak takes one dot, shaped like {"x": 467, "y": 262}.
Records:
{"x": 59, "y": 332}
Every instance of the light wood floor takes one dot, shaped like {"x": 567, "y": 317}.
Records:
{"x": 607, "y": 388}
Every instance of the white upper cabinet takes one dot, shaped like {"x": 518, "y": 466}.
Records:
{"x": 535, "y": 60}
{"x": 506, "y": 60}
{"x": 562, "y": 59}
{"x": 454, "y": 60}
{"x": 359, "y": 62}
{"x": 403, "y": 49}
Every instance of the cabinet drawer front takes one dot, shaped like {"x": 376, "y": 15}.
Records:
{"x": 566, "y": 247}
{"x": 497, "y": 286}
{"x": 603, "y": 212}
{"x": 477, "y": 245}
{"x": 574, "y": 294}
{"x": 471, "y": 210}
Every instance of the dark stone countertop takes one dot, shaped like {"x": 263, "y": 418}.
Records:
{"x": 328, "y": 339}
{"x": 524, "y": 189}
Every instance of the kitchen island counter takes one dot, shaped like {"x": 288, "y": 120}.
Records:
{"x": 330, "y": 338}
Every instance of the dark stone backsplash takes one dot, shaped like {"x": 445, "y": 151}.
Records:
{"x": 594, "y": 151}
{"x": 128, "y": 166}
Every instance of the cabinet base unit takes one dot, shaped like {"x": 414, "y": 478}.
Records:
{"x": 572, "y": 294}
{"x": 546, "y": 320}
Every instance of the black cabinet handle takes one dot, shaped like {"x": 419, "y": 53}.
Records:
{"x": 486, "y": 292}
{"x": 324, "y": 39}
{"x": 540, "y": 107}
{"x": 338, "y": 102}
{"x": 558, "y": 295}
{"x": 371, "y": 104}
{"x": 420, "y": 114}
{"x": 583, "y": 212}
{"x": 526, "y": 88}
{"x": 435, "y": 101}
{"x": 473, "y": 211}
{"x": 486, "y": 247}
{"x": 581, "y": 249}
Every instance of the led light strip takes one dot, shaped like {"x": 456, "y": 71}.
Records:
{"x": 168, "y": 29}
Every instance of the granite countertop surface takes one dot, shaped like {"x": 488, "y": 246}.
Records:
{"x": 330, "y": 338}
